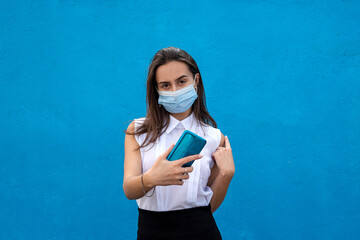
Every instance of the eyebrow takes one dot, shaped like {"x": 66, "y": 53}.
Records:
{"x": 175, "y": 79}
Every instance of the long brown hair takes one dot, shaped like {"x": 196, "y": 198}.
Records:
{"x": 157, "y": 118}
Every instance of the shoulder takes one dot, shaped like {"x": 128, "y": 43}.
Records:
{"x": 214, "y": 133}
{"x": 139, "y": 120}
{"x": 135, "y": 124}
{"x": 131, "y": 128}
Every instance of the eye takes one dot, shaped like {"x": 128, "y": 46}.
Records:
{"x": 165, "y": 85}
{"x": 181, "y": 82}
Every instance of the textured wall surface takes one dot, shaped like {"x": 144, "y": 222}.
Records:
{"x": 281, "y": 78}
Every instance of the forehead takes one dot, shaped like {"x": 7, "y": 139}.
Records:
{"x": 171, "y": 71}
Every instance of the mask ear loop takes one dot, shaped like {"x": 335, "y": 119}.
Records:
{"x": 156, "y": 88}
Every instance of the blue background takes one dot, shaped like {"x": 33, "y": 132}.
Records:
{"x": 281, "y": 79}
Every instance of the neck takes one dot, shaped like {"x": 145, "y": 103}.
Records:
{"x": 181, "y": 116}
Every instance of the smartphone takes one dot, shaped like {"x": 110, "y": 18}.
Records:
{"x": 188, "y": 144}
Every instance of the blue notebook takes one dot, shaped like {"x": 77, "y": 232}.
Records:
{"x": 188, "y": 144}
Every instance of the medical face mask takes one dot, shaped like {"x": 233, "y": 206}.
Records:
{"x": 178, "y": 101}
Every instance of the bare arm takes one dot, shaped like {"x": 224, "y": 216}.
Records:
{"x": 132, "y": 168}
{"x": 221, "y": 173}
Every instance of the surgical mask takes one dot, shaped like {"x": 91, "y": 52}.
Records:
{"x": 178, "y": 101}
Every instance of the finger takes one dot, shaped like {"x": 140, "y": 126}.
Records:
{"x": 178, "y": 182}
{"x": 189, "y": 169}
{"x": 186, "y": 170}
{"x": 185, "y": 177}
{"x": 167, "y": 152}
{"x": 227, "y": 143}
{"x": 187, "y": 159}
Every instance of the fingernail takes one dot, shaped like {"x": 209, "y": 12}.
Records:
{"x": 200, "y": 156}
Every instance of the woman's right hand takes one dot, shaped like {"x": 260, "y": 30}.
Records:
{"x": 165, "y": 172}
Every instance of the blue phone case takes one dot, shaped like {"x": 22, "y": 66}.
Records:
{"x": 188, "y": 144}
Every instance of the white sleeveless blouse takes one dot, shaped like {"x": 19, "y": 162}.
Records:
{"x": 194, "y": 192}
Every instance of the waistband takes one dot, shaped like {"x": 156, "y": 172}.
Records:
{"x": 175, "y": 212}
{"x": 189, "y": 220}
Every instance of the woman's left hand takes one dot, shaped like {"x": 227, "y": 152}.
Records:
{"x": 224, "y": 159}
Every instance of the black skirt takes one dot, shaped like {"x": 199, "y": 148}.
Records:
{"x": 192, "y": 223}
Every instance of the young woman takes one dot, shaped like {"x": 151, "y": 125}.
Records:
{"x": 176, "y": 202}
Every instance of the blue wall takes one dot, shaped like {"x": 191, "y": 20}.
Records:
{"x": 281, "y": 78}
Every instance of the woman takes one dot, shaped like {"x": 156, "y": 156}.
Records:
{"x": 176, "y": 202}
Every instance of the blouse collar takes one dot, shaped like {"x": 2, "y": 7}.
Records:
{"x": 187, "y": 123}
